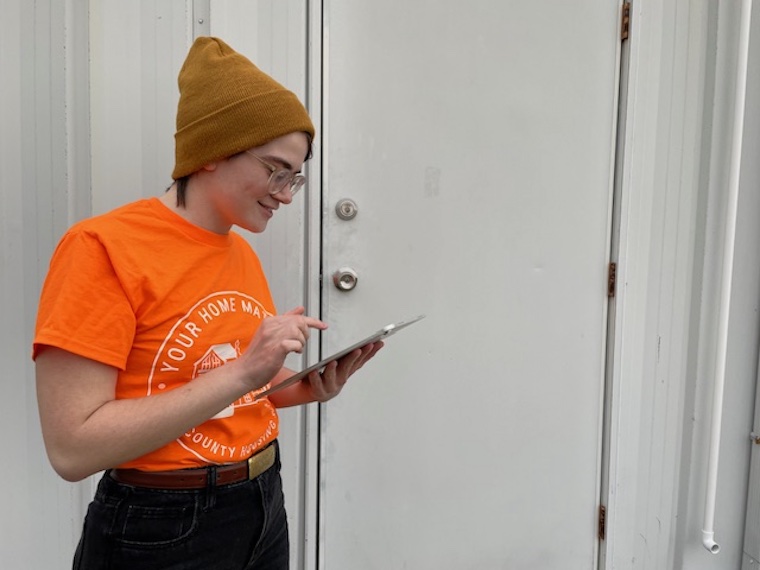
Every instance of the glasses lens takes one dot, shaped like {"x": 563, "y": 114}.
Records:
{"x": 297, "y": 184}
{"x": 279, "y": 180}
{"x": 283, "y": 179}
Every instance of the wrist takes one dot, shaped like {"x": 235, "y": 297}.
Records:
{"x": 246, "y": 378}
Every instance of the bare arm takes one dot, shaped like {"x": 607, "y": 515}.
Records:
{"x": 87, "y": 430}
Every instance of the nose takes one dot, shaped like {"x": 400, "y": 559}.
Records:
{"x": 285, "y": 195}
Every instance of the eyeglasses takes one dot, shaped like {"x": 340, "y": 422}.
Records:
{"x": 281, "y": 178}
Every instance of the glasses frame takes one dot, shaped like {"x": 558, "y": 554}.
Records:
{"x": 290, "y": 180}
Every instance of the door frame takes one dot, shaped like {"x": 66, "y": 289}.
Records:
{"x": 315, "y": 95}
{"x": 659, "y": 246}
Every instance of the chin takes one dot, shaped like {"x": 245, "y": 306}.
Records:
{"x": 255, "y": 228}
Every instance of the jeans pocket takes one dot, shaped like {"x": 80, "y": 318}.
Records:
{"x": 157, "y": 527}
{"x": 93, "y": 544}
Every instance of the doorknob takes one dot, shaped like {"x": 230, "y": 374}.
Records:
{"x": 346, "y": 209}
{"x": 345, "y": 278}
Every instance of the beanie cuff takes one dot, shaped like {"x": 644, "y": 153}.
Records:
{"x": 223, "y": 133}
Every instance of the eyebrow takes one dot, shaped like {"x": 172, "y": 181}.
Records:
{"x": 280, "y": 161}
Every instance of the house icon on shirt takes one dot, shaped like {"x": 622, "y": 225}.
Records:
{"x": 217, "y": 355}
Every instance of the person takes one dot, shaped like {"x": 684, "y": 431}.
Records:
{"x": 156, "y": 330}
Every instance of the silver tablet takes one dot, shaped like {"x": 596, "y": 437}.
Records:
{"x": 383, "y": 333}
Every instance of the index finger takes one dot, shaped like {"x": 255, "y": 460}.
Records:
{"x": 295, "y": 311}
{"x": 313, "y": 323}
{"x": 310, "y": 322}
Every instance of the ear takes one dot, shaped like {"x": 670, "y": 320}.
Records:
{"x": 210, "y": 167}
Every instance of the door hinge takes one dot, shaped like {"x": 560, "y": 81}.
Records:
{"x": 611, "y": 279}
{"x": 625, "y": 23}
{"x": 602, "y": 522}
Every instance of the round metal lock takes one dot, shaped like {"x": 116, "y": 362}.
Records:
{"x": 346, "y": 209}
{"x": 345, "y": 279}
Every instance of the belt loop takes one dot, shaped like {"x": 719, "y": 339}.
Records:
{"x": 210, "y": 488}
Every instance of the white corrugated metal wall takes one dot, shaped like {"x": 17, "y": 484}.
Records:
{"x": 87, "y": 107}
{"x": 74, "y": 104}
{"x": 683, "y": 58}
{"x": 44, "y": 152}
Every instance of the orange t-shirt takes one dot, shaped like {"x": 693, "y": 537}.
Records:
{"x": 163, "y": 301}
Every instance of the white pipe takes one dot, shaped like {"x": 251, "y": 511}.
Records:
{"x": 708, "y": 533}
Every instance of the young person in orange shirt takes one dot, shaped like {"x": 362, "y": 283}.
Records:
{"x": 156, "y": 330}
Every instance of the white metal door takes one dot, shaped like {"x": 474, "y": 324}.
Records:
{"x": 476, "y": 140}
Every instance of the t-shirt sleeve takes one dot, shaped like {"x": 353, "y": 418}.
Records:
{"x": 83, "y": 306}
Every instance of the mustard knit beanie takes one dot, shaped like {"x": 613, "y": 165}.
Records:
{"x": 228, "y": 105}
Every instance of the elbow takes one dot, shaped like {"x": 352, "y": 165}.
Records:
{"x": 71, "y": 475}
{"x": 68, "y": 467}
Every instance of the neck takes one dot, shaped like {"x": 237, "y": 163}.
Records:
{"x": 192, "y": 211}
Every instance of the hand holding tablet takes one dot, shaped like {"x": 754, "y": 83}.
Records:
{"x": 382, "y": 334}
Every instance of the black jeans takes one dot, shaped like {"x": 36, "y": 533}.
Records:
{"x": 231, "y": 527}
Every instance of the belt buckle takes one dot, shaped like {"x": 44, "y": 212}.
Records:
{"x": 260, "y": 462}
{"x": 252, "y": 466}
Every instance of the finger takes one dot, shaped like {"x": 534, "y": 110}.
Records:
{"x": 315, "y": 383}
{"x": 351, "y": 357}
{"x": 332, "y": 380}
{"x": 303, "y": 328}
{"x": 373, "y": 351}
{"x": 346, "y": 365}
{"x": 318, "y": 384}
{"x": 301, "y": 332}
{"x": 293, "y": 345}
{"x": 295, "y": 311}
{"x": 313, "y": 323}
{"x": 306, "y": 322}
{"x": 366, "y": 354}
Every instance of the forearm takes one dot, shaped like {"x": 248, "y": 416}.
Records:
{"x": 121, "y": 430}
{"x": 117, "y": 431}
{"x": 294, "y": 395}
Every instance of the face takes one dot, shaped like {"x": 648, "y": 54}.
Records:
{"x": 239, "y": 191}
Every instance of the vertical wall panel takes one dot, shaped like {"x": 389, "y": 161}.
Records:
{"x": 751, "y": 187}
{"x": 673, "y": 213}
{"x": 40, "y": 194}
{"x": 14, "y": 527}
{"x": 137, "y": 49}
{"x": 272, "y": 34}
{"x": 744, "y": 322}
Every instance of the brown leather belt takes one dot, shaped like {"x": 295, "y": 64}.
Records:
{"x": 198, "y": 478}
